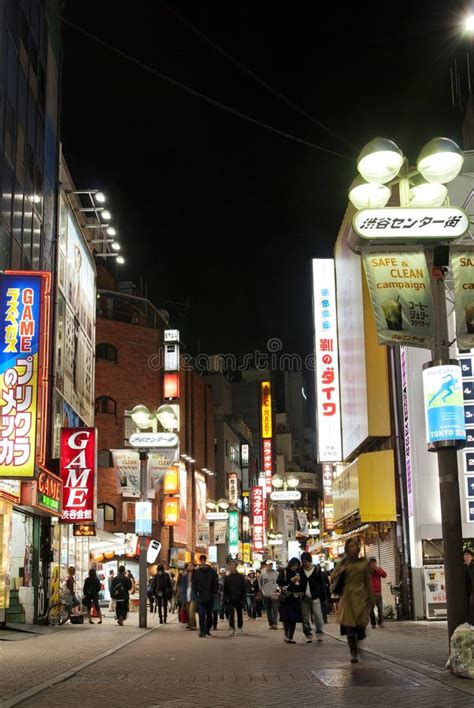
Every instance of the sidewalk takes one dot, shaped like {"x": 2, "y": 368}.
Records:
{"x": 35, "y": 658}
{"x": 174, "y": 667}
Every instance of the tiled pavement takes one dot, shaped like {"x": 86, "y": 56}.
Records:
{"x": 173, "y": 667}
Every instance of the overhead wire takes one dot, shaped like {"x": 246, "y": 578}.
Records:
{"x": 197, "y": 94}
{"x": 271, "y": 89}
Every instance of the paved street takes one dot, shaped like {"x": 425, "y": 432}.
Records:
{"x": 170, "y": 666}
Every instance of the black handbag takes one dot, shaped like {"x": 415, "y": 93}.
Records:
{"x": 338, "y": 587}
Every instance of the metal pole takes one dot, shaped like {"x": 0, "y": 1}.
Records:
{"x": 456, "y": 598}
{"x": 143, "y": 567}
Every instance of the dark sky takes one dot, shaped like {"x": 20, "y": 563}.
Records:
{"x": 215, "y": 210}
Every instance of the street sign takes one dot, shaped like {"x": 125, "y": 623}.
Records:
{"x": 470, "y": 487}
{"x": 286, "y": 495}
{"x": 409, "y": 224}
{"x": 470, "y": 510}
{"x": 153, "y": 551}
{"x": 145, "y": 440}
{"x": 217, "y": 515}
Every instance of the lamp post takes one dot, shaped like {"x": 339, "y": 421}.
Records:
{"x": 382, "y": 164}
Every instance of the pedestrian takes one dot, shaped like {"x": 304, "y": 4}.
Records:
{"x": 326, "y": 605}
{"x": 174, "y": 589}
{"x": 351, "y": 581}
{"x": 269, "y": 588}
{"x": 218, "y": 611}
{"x": 149, "y": 593}
{"x": 188, "y": 597}
{"x": 161, "y": 588}
{"x": 120, "y": 591}
{"x": 469, "y": 565}
{"x": 73, "y": 600}
{"x": 251, "y": 589}
{"x": 258, "y": 595}
{"x": 376, "y": 575}
{"x": 91, "y": 592}
{"x": 234, "y": 597}
{"x": 109, "y": 585}
{"x": 313, "y": 595}
{"x": 290, "y": 586}
{"x": 205, "y": 585}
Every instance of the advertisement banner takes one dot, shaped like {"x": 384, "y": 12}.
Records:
{"x": 201, "y": 497}
{"x": 20, "y": 327}
{"x": 435, "y": 591}
{"x": 202, "y": 534}
{"x": 302, "y": 523}
{"x": 220, "y": 532}
{"x": 327, "y": 362}
{"x": 180, "y": 531}
{"x": 233, "y": 532}
{"x": 462, "y": 263}
{"x": 444, "y": 404}
{"x": 289, "y": 524}
{"x": 345, "y": 491}
{"x": 127, "y": 465}
{"x": 171, "y": 511}
{"x": 400, "y": 292}
{"x": 266, "y": 410}
{"x": 267, "y": 454}
{"x": 78, "y": 466}
{"x": 143, "y": 518}
{"x": 171, "y": 480}
{"x": 246, "y": 554}
{"x": 258, "y": 515}
{"x": 328, "y": 513}
{"x": 178, "y": 558}
{"x": 233, "y": 488}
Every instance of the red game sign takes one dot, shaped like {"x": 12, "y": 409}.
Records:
{"x": 78, "y": 472}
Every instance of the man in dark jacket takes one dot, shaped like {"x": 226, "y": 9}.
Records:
{"x": 119, "y": 590}
{"x": 205, "y": 586}
{"x": 161, "y": 589}
{"x": 313, "y": 595}
{"x": 234, "y": 597}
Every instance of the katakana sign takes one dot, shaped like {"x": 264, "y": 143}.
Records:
{"x": 258, "y": 515}
{"x": 410, "y": 224}
{"x": 327, "y": 362}
{"x": 78, "y": 472}
{"x": 400, "y": 291}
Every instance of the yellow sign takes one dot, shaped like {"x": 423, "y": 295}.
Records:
{"x": 345, "y": 491}
{"x": 246, "y": 553}
{"x": 266, "y": 409}
{"x": 171, "y": 511}
{"x": 171, "y": 480}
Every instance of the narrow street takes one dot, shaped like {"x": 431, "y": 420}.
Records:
{"x": 170, "y": 666}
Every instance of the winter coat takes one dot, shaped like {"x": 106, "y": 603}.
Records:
{"x": 375, "y": 578}
{"x": 91, "y": 587}
{"x": 251, "y": 586}
{"x": 234, "y": 587}
{"x": 124, "y": 584}
{"x": 357, "y": 593}
{"x": 205, "y": 583}
{"x": 316, "y": 583}
{"x": 161, "y": 585}
{"x": 183, "y": 589}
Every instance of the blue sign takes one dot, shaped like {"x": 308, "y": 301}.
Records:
{"x": 444, "y": 404}
{"x": 470, "y": 510}
{"x": 469, "y": 461}
{"x": 469, "y": 438}
{"x": 468, "y": 390}
{"x": 143, "y": 518}
{"x": 470, "y": 487}
{"x": 466, "y": 366}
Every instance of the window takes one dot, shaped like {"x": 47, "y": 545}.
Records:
{"x": 106, "y": 351}
{"x": 103, "y": 458}
{"x": 104, "y": 404}
{"x": 109, "y": 512}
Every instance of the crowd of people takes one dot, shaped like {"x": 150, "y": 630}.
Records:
{"x": 300, "y": 593}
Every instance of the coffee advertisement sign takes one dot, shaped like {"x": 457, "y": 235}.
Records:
{"x": 462, "y": 262}
{"x": 400, "y": 292}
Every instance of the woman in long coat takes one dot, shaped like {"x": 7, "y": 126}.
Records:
{"x": 353, "y": 575}
{"x": 290, "y": 609}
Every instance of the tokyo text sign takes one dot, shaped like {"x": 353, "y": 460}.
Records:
{"x": 78, "y": 472}
{"x": 408, "y": 225}
{"x": 444, "y": 405}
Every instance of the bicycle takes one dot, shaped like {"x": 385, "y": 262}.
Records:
{"x": 58, "y": 613}
{"x": 396, "y": 591}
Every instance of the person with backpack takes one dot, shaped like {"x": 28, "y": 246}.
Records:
{"x": 161, "y": 589}
{"x": 120, "y": 592}
{"x": 91, "y": 592}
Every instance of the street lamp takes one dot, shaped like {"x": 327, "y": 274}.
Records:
{"x": 292, "y": 481}
{"x": 367, "y": 195}
{"x": 277, "y": 481}
{"x": 469, "y": 23}
{"x": 144, "y": 420}
{"x": 381, "y": 162}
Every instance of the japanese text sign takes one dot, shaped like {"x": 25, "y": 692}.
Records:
{"x": 258, "y": 515}
{"x": 267, "y": 455}
{"x": 462, "y": 261}
{"x": 171, "y": 511}
{"x": 143, "y": 511}
{"x": 233, "y": 532}
{"x": 410, "y": 224}
{"x": 171, "y": 480}
{"x": 233, "y": 489}
{"x": 400, "y": 292}
{"x": 20, "y": 348}
{"x": 266, "y": 410}
{"x": 326, "y": 361}
{"x": 327, "y": 490}
{"x": 78, "y": 472}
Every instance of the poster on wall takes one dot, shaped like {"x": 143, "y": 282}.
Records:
{"x": 400, "y": 292}
{"x": 202, "y": 534}
{"x": 127, "y": 466}
{"x": 462, "y": 263}
{"x": 435, "y": 591}
{"x": 220, "y": 532}
{"x": 178, "y": 557}
{"x": 180, "y": 531}
{"x": 201, "y": 496}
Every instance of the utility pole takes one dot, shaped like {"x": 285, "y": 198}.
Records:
{"x": 143, "y": 565}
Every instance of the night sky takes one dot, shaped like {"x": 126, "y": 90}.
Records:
{"x": 215, "y": 211}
